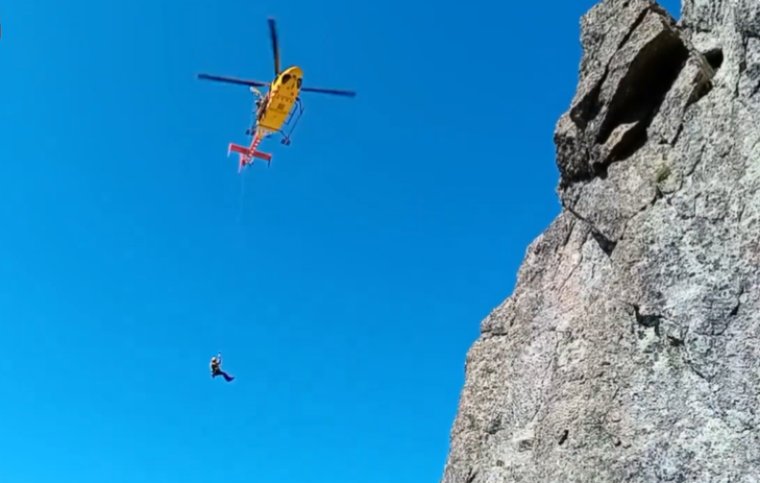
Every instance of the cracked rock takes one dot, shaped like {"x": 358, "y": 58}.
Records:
{"x": 629, "y": 348}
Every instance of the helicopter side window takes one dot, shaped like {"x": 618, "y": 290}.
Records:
{"x": 285, "y": 78}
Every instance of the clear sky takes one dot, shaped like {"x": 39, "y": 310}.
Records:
{"x": 343, "y": 284}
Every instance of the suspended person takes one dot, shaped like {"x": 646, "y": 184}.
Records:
{"x": 216, "y": 368}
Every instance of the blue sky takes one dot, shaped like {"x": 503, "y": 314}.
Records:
{"x": 343, "y": 284}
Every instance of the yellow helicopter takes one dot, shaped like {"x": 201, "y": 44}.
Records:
{"x": 278, "y": 109}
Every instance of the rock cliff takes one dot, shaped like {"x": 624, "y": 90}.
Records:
{"x": 630, "y": 348}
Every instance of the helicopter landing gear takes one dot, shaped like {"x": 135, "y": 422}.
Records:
{"x": 291, "y": 122}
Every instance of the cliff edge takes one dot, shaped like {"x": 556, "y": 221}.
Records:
{"x": 630, "y": 348}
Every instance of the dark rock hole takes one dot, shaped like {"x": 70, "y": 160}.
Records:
{"x": 641, "y": 92}
{"x": 675, "y": 341}
{"x": 714, "y": 58}
{"x": 607, "y": 245}
{"x": 648, "y": 320}
{"x": 563, "y": 437}
{"x": 735, "y": 311}
{"x": 600, "y": 171}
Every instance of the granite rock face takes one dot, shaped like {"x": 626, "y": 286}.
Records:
{"x": 630, "y": 348}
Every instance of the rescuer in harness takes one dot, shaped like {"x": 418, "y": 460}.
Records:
{"x": 216, "y": 368}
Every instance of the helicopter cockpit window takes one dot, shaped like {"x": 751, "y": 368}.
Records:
{"x": 285, "y": 78}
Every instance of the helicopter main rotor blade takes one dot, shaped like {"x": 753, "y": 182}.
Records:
{"x": 275, "y": 46}
{"x": 336, "y": 92}
{"x": 232, "y": 80}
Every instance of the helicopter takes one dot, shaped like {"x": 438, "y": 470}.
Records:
{"x": 277, "y": 110}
